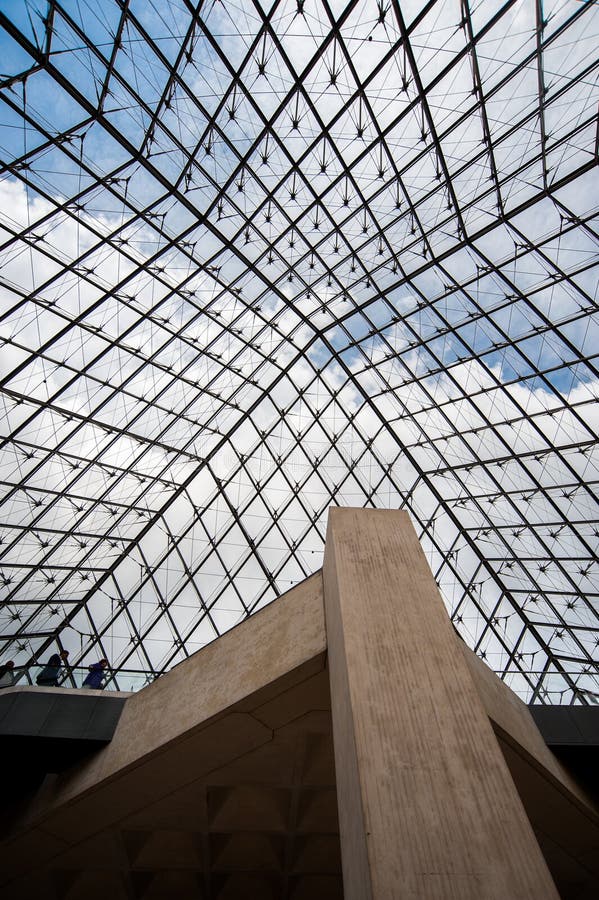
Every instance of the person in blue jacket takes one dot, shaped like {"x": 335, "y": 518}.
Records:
{"x": 93, "y": 681}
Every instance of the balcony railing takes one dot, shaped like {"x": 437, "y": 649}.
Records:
{"x": 74, "y": 676}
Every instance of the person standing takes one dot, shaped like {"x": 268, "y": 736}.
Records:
{"x": 93, "y": 681}
{"x": 7, "y": 675}
{"x": 48, "y": 677}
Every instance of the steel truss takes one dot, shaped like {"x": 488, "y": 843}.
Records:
{"x": 258, "y": 259}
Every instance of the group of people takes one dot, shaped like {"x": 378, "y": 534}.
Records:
{"x": 49, "y": 675}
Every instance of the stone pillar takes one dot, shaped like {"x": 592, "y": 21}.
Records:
{"x": 427, "y": 806}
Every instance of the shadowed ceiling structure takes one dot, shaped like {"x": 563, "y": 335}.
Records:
{"x": 261, "y": 258}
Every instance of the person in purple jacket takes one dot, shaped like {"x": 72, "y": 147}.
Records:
{"x": 93, "y": 681}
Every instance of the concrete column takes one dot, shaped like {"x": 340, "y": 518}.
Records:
{"x": 427, "y": 807}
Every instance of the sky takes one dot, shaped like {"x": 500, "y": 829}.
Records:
{"x": 260, "y": 259}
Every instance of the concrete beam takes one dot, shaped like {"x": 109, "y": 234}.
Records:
{"x": 427, "y": 807}
{"x": 564, "y": 817}
{"x": 187, "y": 723}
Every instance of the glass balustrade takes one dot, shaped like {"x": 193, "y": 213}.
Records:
{"x": 129, "y": 680}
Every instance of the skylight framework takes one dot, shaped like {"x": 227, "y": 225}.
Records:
{"x": 257, "y": 259}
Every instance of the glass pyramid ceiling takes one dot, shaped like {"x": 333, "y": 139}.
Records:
{"x": 261, "y": 258}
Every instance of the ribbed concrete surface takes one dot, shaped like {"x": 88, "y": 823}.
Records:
{"x": 427, "y": 807}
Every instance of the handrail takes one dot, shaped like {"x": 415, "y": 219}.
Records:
{"x": 129, "y": 680}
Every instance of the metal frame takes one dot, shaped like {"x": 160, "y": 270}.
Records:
{"x": 262, "y": 259}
